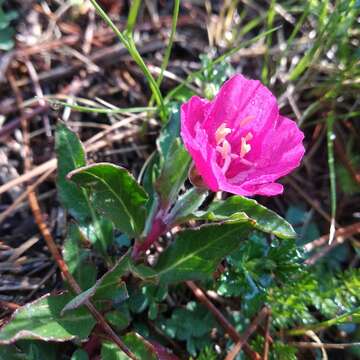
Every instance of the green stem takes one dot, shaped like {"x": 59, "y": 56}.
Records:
{"x": 348, "y": 317}
{"x": 133, "y": 13}
{"x": 99, "y": 110}
{"x": 129, "y": 44}
{"x": 331, "y": 164}
{"x": 167, "y": 54}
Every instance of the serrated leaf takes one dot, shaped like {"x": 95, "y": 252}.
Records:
{"x": 259, "y": 217}
{"x": 41, "y": 320}
{"x": 195, "y": 254}
{"x": 115, "y": 194}
{"x": 173, "y": 173}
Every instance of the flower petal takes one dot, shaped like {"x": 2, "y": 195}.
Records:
{"x": 196, "y": 140}
{"x": 193, "y": 112}
{"x": 241, "y": 104}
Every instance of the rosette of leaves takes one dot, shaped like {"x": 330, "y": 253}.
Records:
{"x": 192, "y": 324}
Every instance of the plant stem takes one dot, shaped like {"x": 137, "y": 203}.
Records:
{"x": 128, "y": 41}
{"x": 133, "y": 13}
{"x": 158, "y": 228}
{"x": 167, "y": 54}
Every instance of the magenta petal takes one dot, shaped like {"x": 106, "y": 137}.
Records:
{"x": 193, "y": 112}
{"x": 281, "y": 152}
{"x": 254, "y": 146}
{"x": 196, "y": 139}
{"x": 239, "y": 98}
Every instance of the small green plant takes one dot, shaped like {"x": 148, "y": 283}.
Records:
{"x": 6, "y": 31}
{"x": 135, "y": 246}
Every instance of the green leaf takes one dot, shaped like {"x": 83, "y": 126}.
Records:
{"x": 173, "y": 173}
{"x": 79, "y": 354}
{"x": 186, "y": 205}
{"x": 141, "y": 348}
{"x": 195, "y": 254}
{"x": 71, "y": 155}
{"x": 259, "y": 217}
{"x": 100, "y": 233}
{"x": 352, "y": 316}
{"x": 76, "y": 259}
{"x": 115, "y": 194}
{"x": 169, "y": 132}
{"x": 108, "y": 287}
{"x": 11, "y": 352}
{"x": 41, "y": 320}
{"x": 38, "y": 350}
{"x": 78, "y": 300}
{"x": 119, "y": 318}
{"x": 192, "y": 324}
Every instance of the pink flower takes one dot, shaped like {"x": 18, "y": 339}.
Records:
{"x": 239, "y": 142}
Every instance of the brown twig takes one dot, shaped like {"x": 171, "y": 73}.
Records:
{"x": 340, "y": 236}
{"x": 267, "y": 336}
{"x": 343, "y": 232}
{"x": 9, "y": 305}
{"x": 251, "y": 328}
{"x": 201, "y": 296}
{"x": 24, "y": 195}
{"x": 44, "y": 230}
{"x": 51, "y": 164}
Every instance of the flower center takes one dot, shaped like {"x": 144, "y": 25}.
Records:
{"x": 223, "y": 147}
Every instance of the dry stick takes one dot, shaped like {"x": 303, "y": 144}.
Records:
{"x": 9, "y": 127}
{"x": 24, "y": 195}
{"x": 201, "y": 296}
{"x": 51, "y": 164}
{"x": 252, "y": 327}
{"x": 44, "y": 230}
{"x": 9, "y": 305}
{"x": 340, "y": 236}
{"x": 311, "y": 345}
{"x": 267, "y": 337}
{"x": 343, "y": 232}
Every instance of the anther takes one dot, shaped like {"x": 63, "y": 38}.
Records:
{"x": 221, "y": 133}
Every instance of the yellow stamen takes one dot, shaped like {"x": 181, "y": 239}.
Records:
{"x": 245, "y": 147}
{"x": 221, "y": 133}
{"x": 225, "y": 149}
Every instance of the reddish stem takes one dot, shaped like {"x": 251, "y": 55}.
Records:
{"x": 158, "y": 228}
